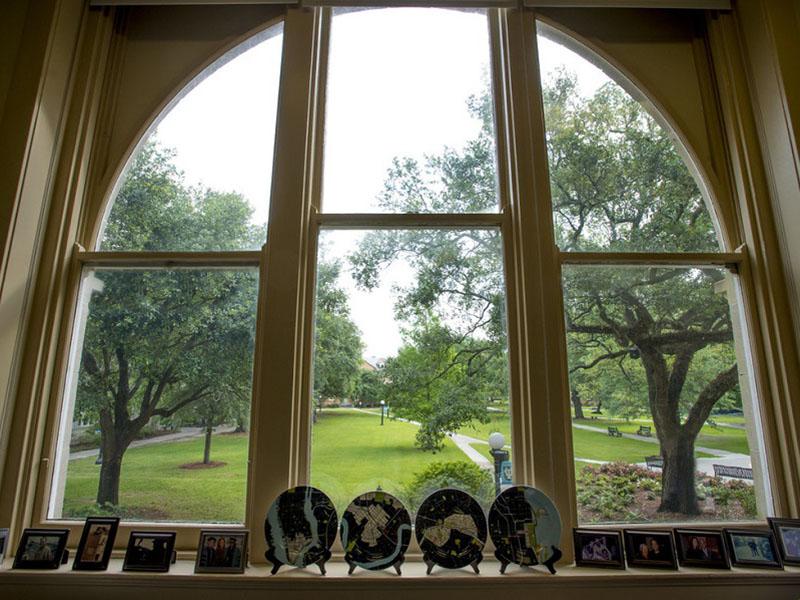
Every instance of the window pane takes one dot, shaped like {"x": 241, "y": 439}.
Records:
{"x": 408, "y": 102}
{"x": 410, "y": 365}
{"x": 661, "y": 398}
{"x": 617, "y": 178}
{"x": 201, "y": 180}
{"x": 157, "y": 403}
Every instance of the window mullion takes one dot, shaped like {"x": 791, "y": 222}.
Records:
{"x": 279, "y": 363}
{"x": 541, "y": 425}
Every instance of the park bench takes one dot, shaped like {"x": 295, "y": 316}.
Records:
{"x": 644, "y": 431}
{"x": 654, "y": 462}
{"x": 736, "y": 472}
{"x": 614, "y": 432}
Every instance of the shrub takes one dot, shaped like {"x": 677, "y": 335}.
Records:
{"x": 608, "y": 492}
{"x": 466, "y": 476}
{"x": 626, "y": 492}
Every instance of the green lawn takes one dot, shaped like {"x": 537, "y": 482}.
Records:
{"x": 153, "y": 486}
{"x": 497, "y": 422}
{"x": 351, "y": 453}
{"x": 719, "y": 438}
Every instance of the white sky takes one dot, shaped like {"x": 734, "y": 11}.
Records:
{"x": 397, "y": 86}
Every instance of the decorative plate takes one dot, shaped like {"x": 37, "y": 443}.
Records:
{"x": 451, "y": 528}
{"x": 524, "y": 526}
{"x": 375, "y": 531}
{"x": 300, "y": 527}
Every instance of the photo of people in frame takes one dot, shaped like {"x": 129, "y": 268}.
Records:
{"x": 3, "y": 543}
{"x": 221, "y": 552}
{"x": 149, "y": 551}
{"x": 598, "y": 548}
{"x": 701, "y": 548}
{"x": 41, "y": 548}
{"x": 787, "y": 535}
{"x": 651, "y": 549}
{"x": 96, "y": 544}
{"x": 753, "y": 548}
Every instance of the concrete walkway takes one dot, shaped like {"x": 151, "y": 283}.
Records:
{"x": 184, "y": 433}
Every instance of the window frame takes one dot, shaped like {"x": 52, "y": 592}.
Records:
{"x": 541, "y": 432}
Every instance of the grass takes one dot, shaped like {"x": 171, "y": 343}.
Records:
{"x": 497, "y": 422}
{"x": 153, "y": 486}
{"x": 351, "y": 453}
{"x": 718, "y": 438}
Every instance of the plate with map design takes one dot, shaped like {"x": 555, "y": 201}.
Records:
{"x": 525, "y": 527}
{"x": 375, "y": 531}
{"x": 451, "y": 530}
{"x": 300, "y": 529}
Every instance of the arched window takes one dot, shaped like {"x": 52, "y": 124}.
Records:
{"x": 665, "y": 426}
{"x": 157, "y": 406}
{"x": 364, "y": 240}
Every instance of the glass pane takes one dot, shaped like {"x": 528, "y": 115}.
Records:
{"x": 157, "y": 402}
{"x": 201, "y": 180}
{"x": 410, "y": 365}
{"x": 664, "y": 426}
{"x": 409, "y": 124}
{"x": 618, "y": 179}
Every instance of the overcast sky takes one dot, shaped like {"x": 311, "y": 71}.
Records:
{"x": 398, "y": 84}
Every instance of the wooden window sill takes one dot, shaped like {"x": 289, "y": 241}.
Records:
{"x": 570, "y": 581}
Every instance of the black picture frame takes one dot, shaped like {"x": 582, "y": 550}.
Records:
{"x": 591, "y": 545}
{"x": 703, "y": 548}
{"x": 96, "y": 544}
{"x": 3, "y": 544}
{"x": 756, "y": 541}
{"x": 150, "y": 551}
{"x": 46, "y": 552}
{"x": 787, "y": 537}
{"x": 229, "y": 562}
{"x": 650, "y": 549}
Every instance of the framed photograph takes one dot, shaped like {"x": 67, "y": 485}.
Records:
{"x": 97, "y": 542}
{"x": 598, "y": 548}
{"x": 753, "y": 548}
{"x": 149, "y": 551}
{"x": 41, "y": 549}
{"x": 3, "y": 543}
{"x": 787, "y": 535}
{"x": 650, "y": 549}
{"x": 701, "y": 548}
{"x": 220, "y": 551}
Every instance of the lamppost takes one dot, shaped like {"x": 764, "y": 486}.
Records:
{"x": 383, "y": 406}
{"x": 496, "y": 443}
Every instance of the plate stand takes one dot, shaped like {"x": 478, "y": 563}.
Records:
{"x": 396, "y": 564}
{"x": 503, "y": 562}
{"x": 550, "y": 563}
{"x": 321, "y": 562}
{"x": 430, "y": 564}
{"x": 474, "y": 564}
{"x": 277, "y": 563}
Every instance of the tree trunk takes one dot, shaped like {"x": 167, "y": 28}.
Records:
{"x": 678, "y": 493}
{"x": 108, "y": 489}
{"x": 576, "y": 403}
{"x": 207, "y": 447}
